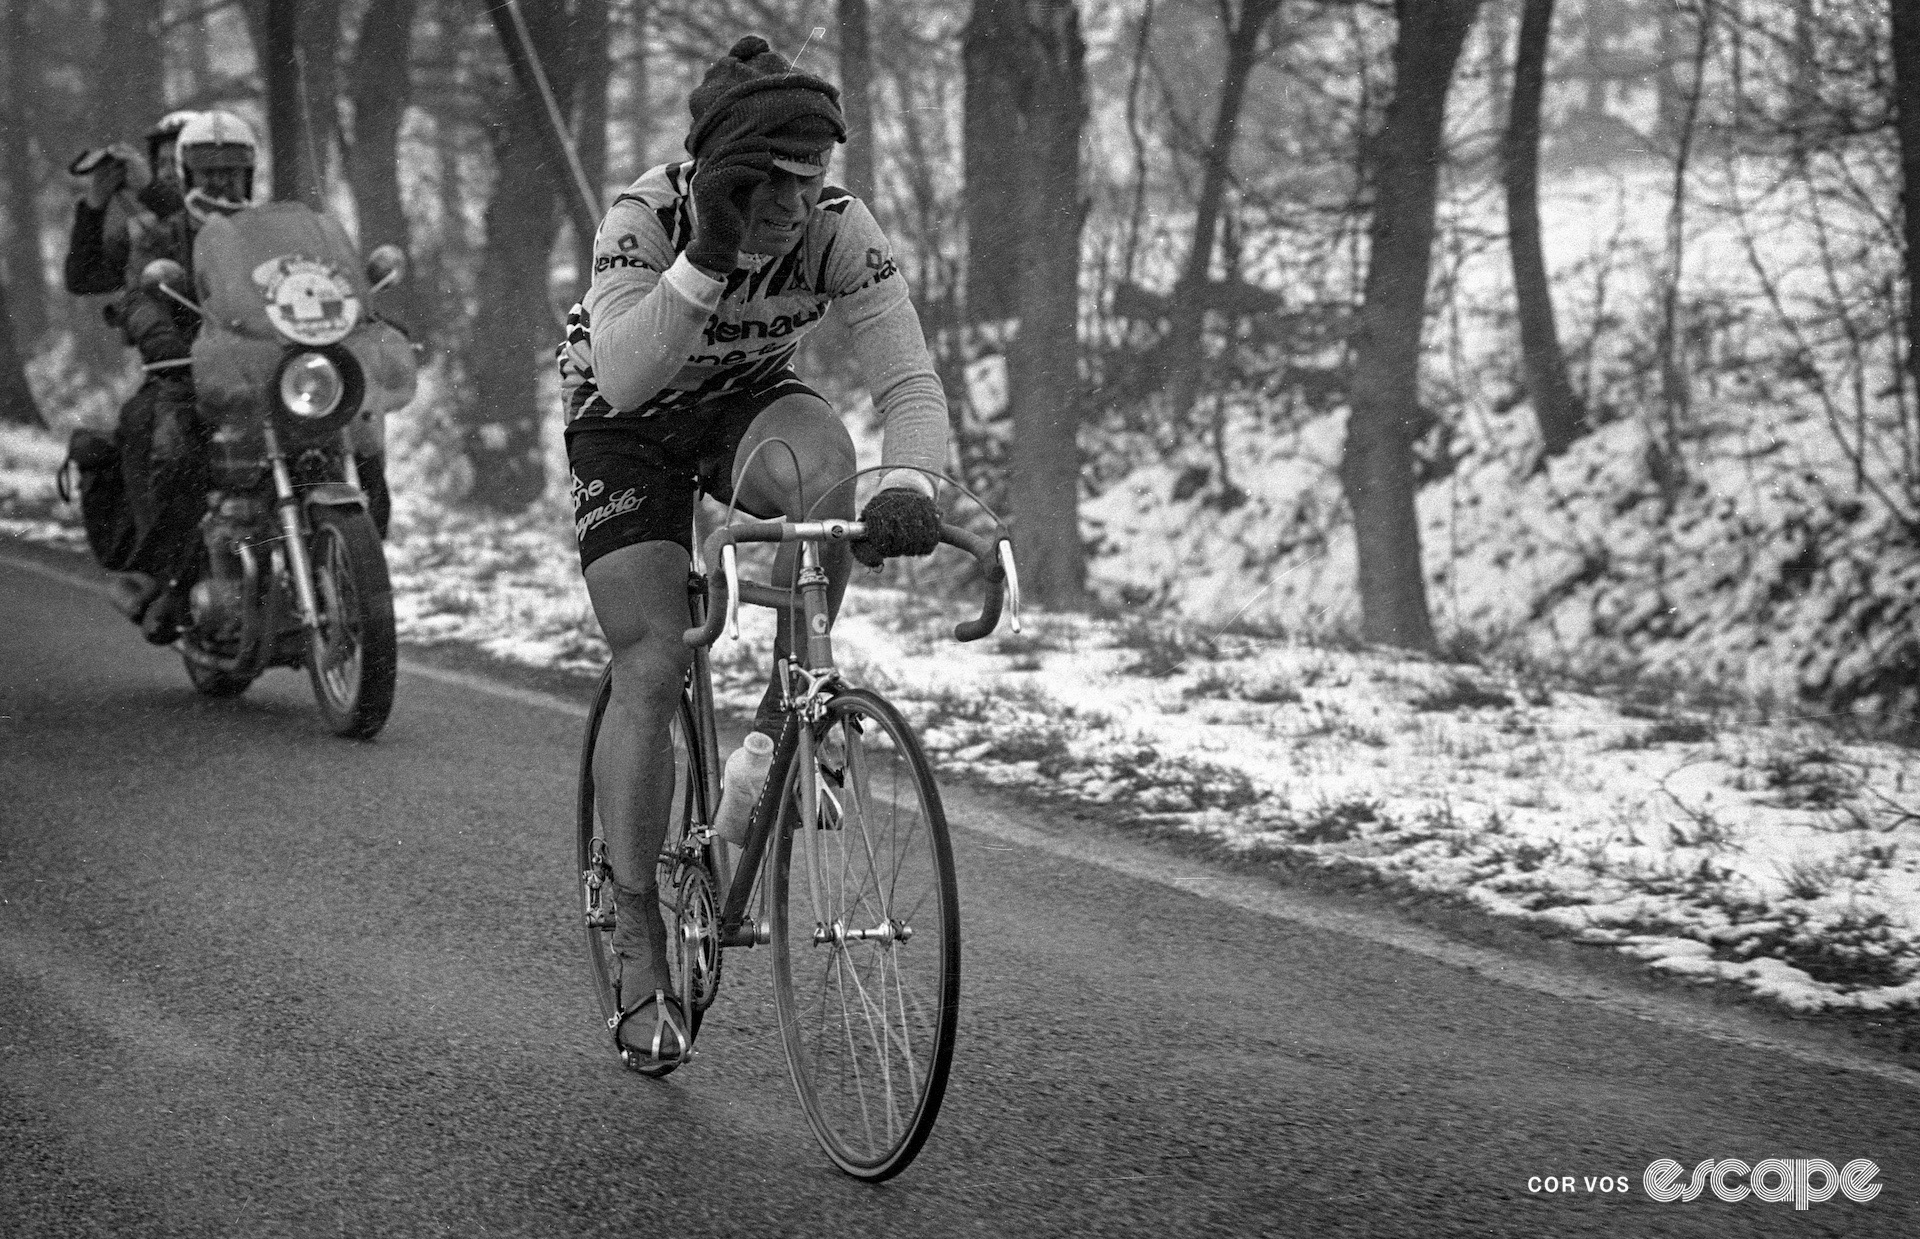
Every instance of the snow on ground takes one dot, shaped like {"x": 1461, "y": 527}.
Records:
{"x": 1779, "y": 857}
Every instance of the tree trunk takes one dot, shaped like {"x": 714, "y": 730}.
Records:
{"x": 856, "y": 97}
{"x": 639, "y": 109}
{"x": 1499, "y": 87}
{"x": 1676, "y": 391}
{"x": 130, "y": 89}
{"x": 1185, "y": 342}
{"x": 1906, "y": 108}
{"x": 25, "y": 266}
{"x": 592, "y": 34}
{"x": 1593, "y": 27}
{"x": 1376, "y": 470}
{"x": 382, "y": 84}
{"x": 990, "y": 127}
{"x": 1555, "y": 406}
{"x": 541, "y": 58}
{"x": 1667, "y": 99}
{"x": 1037, "y": 45}
{"x": 318, "y": 63}
{"x": 515, "y": 332}
{"x": 294, "y": 177}
{"x": 16, "y": 395}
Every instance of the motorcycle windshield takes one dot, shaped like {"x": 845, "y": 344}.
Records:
{"x": 279, "y": 271}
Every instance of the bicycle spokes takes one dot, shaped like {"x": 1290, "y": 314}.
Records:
{"x": 867, "y": 940}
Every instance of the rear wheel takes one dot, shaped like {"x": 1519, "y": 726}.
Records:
{"x": 866, "y": 938}
{"x": 353, "y": 656}
{"x": 683, "y": 875}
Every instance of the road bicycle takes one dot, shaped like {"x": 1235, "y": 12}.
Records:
{"x": 846, "y": 871}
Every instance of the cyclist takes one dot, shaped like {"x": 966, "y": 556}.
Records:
{"x": 676, "y": 366}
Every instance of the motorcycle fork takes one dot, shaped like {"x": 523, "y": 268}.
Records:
{"x": 287, "y": 504}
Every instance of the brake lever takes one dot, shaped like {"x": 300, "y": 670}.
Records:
{"x": 1013, "y": 584}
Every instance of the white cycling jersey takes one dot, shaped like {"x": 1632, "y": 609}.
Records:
{"x": 656, "y": 335}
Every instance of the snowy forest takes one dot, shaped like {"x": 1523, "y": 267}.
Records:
{"x": 1573, "y": 335}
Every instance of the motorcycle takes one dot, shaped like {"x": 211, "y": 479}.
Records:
{"x": 293, "y": 376}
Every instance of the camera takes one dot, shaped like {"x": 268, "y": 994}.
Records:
{"x": 86, "y": 161}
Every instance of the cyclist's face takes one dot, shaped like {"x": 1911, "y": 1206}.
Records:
{"x": 778, "y": 212}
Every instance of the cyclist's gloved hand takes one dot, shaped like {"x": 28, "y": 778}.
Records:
{"x": 899, "y": 521}
{"x": 723, "y": 188}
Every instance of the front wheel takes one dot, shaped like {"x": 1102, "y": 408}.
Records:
{"x": 353, "y": 655}
{"x": 866, "y": 938}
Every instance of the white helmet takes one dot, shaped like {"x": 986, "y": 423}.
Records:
{"x": 210, "y": 141}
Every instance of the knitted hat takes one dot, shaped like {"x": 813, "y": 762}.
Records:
{"x": 753, "y": 92}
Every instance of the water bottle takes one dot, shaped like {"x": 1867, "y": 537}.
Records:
{"x": 740, "y": 786}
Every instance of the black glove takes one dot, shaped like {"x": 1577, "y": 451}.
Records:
{"x": 723, "y": 188}
{"x": 899, "y": 522}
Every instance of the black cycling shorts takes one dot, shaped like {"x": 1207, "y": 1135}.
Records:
{"x": 637, "y": 479}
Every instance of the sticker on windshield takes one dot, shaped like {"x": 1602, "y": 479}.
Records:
{"x": 308, "y": 301}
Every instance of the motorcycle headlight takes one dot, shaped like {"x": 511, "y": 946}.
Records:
{"x": 311, "y": 386}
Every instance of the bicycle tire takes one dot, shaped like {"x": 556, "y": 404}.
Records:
{"x": 866, "y": 924}
{"x": 689, "y": 808}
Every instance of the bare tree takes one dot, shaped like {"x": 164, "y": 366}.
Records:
{"x": 382, "y": 84}
{"x": 1906, "y": 119}
{"x": 591, "y": 32}
{"x": 1555, "y": 406}
{"x": 16, "y": 395}
{"x": 856, "y": 95}
{"x": 296, "y": 168}
{"x": 1183, "y": 345}
{"x": 25, "y": 268}
{"x": 131, "y": 91}
{"x": 992, "y": 122}
{"x": 1031, "y": 56}
{"x": 1376, "y": 470}
{"x": 639, "y": 71}
{"x": 516, "y": 330}
{"x": 1676, "y": 391}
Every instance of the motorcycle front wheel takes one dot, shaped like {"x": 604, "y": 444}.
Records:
{"x": 353, "y": 655}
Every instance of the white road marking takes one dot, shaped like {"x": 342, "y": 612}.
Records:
{"x": 1265, "y": 899}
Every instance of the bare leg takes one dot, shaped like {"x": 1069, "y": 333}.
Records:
{"x": 639, "y": 595}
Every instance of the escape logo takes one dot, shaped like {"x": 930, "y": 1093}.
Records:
{"x": 1804, "y": 1180}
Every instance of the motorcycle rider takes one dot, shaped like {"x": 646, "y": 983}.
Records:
{"x": 96, "y": 260}
{"x": 676, "y": 366}
{"x": 162, "y": 445}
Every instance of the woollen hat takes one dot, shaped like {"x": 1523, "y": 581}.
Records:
{"x": 753, "y": 92}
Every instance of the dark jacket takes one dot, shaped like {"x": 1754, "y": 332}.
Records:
{"x": 154, "y": 323}
{"x": 97, "y": 262}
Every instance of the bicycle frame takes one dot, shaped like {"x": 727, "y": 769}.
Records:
{"x": 807, "y": 684}
{"x": 736, "y": 929}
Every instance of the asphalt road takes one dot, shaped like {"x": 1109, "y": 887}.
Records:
{"x": 258, "y": 981}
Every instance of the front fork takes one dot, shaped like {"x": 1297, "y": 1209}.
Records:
{"x": 287, "y": 504}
